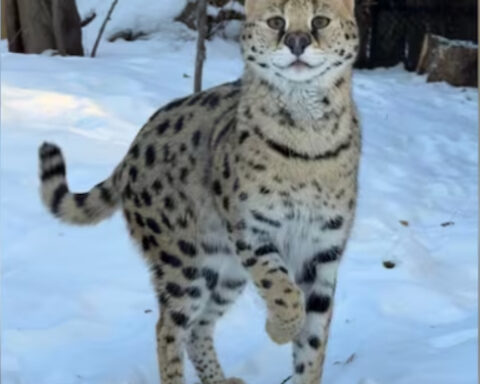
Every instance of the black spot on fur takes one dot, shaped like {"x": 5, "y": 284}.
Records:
{"x": 169, "y": 203}
{"x": 314, "y": 342}
{"x": 309, "y": 273}
{"x": 105, "y": 194}
{"x": 226, "y": 203}
{"x": 139, "y": 220}
{"x": 150, "y": 156}
{"x": 166, "y": 221}
{"x": 194, "y": 292}
{"x": 250, "y": 262}
{"x": 196, "y": 137}
{"x": 157, "y": 186}
{"x": 219, "y": 300}
{"x": 341, "y": 80}
{"x": 174, "y": 289}
{"x": 236, "y": 185}
{"x": 329, "y": 255}
{"x": 191, "y": 273}
{"x": 179, "y": 319}
{"x": 162, "y": 128}
{"x": 217, "y": 188}
{"x": 266, "y": 284}
{"x": 334, "y": 223}
{"x": 264, "y": 190}
{"x": 58, "y": 195}
{"x": 80, "y": 199}
{"x": 57, "y": 170}
{"x": 242, "y": 246}
{"x": 147, "y": 199}
{"x": 157, "y": 272}
{"x": 212, "y": 100}
{"x": 243, "y": 136}
{"x": 266, "y": 249}
{"x": 153, "y": 225}
{"x": 211, "y": 278}
{"x": 170, "y": 259}
{"x": 153, "y": 241}
{"x": 145, "y": 243}
{"x": 179, "y": 124}
{"x": 264, "y": 219}
{"x": 286, "y": 116}
{"x": 299, "y": 369}
{"x": 318, "y": 303}
{"x": 226, "y": 167}
{"x": 187, "y": 248}
{"x": 280, "y": 302}
{"x": 133, "y": 173}
{"x": 48, "y": 151}
{"x": 134, "y": 151}
{"x": 233, "y": 284}
{"x": 183, "y": 174}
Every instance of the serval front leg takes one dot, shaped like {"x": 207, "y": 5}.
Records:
{"x": 318, "y": 280}
{"x": 284, "y": 299}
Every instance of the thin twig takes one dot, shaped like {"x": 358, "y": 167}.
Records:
{"x": 286, "y": 380}
{"x": 88, "y": 19}
{"x": 102, "y": 29}
{"x": 202, "y": 33}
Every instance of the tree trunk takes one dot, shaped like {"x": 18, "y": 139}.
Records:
{"x": 34, "y": 26}
{"x": 447, "y": 60}
{"x": 201, "y": 51}
{"x": 4, "y": 19}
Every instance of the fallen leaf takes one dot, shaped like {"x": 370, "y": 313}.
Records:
{"x": 405, "y": 223}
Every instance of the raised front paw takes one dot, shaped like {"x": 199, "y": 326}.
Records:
{"x": 286, "y": 315}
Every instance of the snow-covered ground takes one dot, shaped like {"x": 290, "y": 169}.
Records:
{"x": 76, "y": 303}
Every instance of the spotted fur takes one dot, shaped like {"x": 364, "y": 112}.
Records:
{"x": 252, "y": 180}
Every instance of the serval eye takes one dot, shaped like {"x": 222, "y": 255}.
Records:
{"x": 320, "y": 22}
{"x": 277, "y": 23}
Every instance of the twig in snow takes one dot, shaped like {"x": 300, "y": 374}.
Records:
{"x": 102, "y": 29}
{"x": 286, "y": 380}
{"x": 90, "y": 17}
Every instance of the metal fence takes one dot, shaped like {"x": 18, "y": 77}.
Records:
{"x": 392, "y": 31}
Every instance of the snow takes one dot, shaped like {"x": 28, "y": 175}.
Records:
{"x": 76, "y": 303}
{"x": 139, "y": 16}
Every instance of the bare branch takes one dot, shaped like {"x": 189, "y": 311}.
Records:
{"x": 90, "y": 17}
{"x": 201, "y": 51}
{"x": 102, "y": 29}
